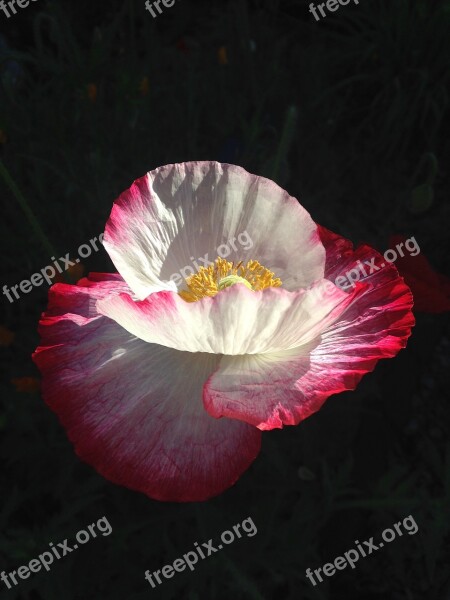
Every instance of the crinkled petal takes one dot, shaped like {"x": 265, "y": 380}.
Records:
{"x": 134, "y": 410}
{"x": 182, "y": 216}
{"x": 81, "y": 303}
{"x": 235, "y": 321}
{"x": 270, "y": 391}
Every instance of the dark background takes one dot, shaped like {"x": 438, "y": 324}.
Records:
{"x": 348, "y": 115}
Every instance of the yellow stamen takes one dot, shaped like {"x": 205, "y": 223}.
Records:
{"x": 209, "y": 281}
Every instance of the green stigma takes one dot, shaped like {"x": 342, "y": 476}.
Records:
{"x": 230, "y": 280}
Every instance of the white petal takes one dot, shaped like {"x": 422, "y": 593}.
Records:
{"x": 236, "y": 321}
{"x": 180, "y": 217}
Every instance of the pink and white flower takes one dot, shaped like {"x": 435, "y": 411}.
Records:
{"x": 167, "y": 390}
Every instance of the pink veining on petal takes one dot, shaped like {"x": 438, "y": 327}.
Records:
{"x": 134, "y": 410}
{"x": 283, "y": 389}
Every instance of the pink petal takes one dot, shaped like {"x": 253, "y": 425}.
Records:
{"x": 134, "y": 410}
{"x": 178, "y": 215}
{"x": 270, "y": 391}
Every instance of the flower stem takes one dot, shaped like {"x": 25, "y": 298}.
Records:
{"x": 285, "y": 141}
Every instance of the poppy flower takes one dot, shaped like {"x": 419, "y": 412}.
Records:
{"x": 223, "y": 321}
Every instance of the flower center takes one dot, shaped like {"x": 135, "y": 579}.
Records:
{"x": 230, "y": 280}
{"x": 209, "y": 281}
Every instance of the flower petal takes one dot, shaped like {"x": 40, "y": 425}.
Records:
{"x": 134, "y": 410}
{"x": 270, "y": 391}
{"x": 81, "y": 302}
{"x": 235, "y": 321}
{"x": 178, "y": 217}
